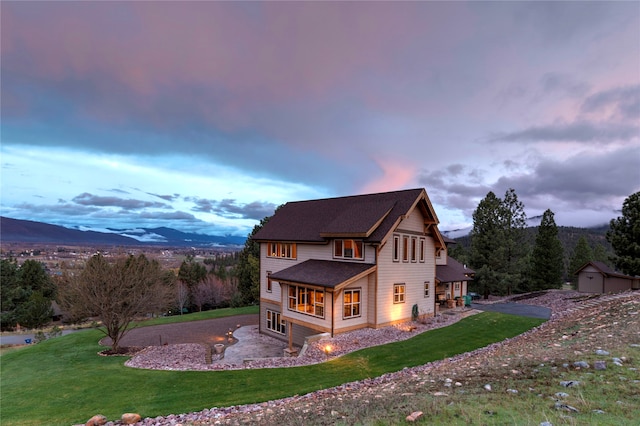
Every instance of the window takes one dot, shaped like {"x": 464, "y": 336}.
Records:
{"x": 426, "y": 289}
{"x": 275, "y": 322}
{"x": 422, "y": 247}
{"x": 306, "y": 300}
{"x": 414, "y": 249}
{"x": 396, "y": 248}
{"x": 348, "y": 249}
{"x": 398, "y": 293}
{"x": 405, "y": 249}
{"x": 269, "y": 282}
{"x": 456, "y": 286}
{"x": 351, "y": 303}
{"x": 283, "y": 250}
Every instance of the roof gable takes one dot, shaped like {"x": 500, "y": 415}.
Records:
{"x": 370, "y": 217}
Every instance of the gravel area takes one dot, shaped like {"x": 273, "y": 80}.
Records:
{"x": 193, "y": 356}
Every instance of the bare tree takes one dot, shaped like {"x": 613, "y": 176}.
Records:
{"x": 117, "y": 292}
{"x": 182, "y": 295}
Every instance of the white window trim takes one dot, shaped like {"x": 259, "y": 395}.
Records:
{"x": 359, "y": 303}
{"x": 399, "y": 296}
{"x": 277, "y": 326}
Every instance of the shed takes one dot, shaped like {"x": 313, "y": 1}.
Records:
{"x": 597, "y": 277}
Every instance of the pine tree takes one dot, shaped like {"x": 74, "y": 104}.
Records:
{"x": 624, "y": 236}
{"x": 582, "y": 254}
{"x": 515, "y": 222}
{"x": 547, "y": 256}
{"x": 488, "y": 244}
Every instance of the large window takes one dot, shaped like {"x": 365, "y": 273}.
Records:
{"x": 398, "y": 293}
{"x": 306, "y": 300}
{"x": 283, "y": 250}
{"x": 275, "y": 322}
{"x": 351, "y": 303}
{"x": 348, "y": 249}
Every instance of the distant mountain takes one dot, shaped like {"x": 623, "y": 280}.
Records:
{"x": 463, "y": 232}
{"x": 26, "y": 231}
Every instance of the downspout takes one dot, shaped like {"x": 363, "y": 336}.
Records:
{"x": 333, "y": 313}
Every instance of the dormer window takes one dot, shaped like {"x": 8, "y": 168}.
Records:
{"x": 348, "y": 249}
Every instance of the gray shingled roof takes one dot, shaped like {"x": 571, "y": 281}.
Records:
{"x": 323, "y": 273}
{"x": 604, "y": 269}
{"x": 453, "y": 271}
{"x": 369, "y": 217}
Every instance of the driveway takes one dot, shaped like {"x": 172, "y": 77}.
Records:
{"x": 515, "y": 309}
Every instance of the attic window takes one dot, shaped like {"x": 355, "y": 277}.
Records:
{"x": 348, "y": 249}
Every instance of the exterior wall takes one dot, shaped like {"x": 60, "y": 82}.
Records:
{"x": 412, "y": 274}
{"x": 616, "y": 284}
{"x": 441, "y": 259}
{"x": 341, "y": 324}
{"x": 590, "y": 280}
{"x": 264, "y": 306}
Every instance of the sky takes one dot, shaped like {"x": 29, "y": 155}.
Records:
{"x": 206, "y": 116}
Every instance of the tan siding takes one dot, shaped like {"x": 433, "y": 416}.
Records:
{"x": 363, "y": 319}
{"x": 414, "y": 222}
{"x": 413, "y": 275}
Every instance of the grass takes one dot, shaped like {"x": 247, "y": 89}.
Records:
{"x": 63, "y": 381}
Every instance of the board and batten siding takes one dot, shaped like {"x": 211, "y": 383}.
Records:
{"x": 413, "y": 275}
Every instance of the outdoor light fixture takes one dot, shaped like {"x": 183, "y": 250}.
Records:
{"x": 327, "y": 350}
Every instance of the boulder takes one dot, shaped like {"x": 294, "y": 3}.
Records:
{"x": 97, "y": 420}
{"x": 130, "y": 418}
{"x": 414, "y": 416}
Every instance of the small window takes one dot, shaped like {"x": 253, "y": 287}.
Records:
{"x": 426, "y": 289}
{"x": 422, "y": 247}
{"x": 456, "y": 286}
{"x": 351, "y": 300}
{"x": 396, "y": 248}
{"x": 414, "y": 249}
{"x": 405, "y": 249}
{"x": 398, "y": 293}
{"x": 269, "y": 282}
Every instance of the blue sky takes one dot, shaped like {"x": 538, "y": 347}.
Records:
{"x": 205, "y": 116}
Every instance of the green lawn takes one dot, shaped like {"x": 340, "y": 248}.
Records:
{"x": 63, "y": 381}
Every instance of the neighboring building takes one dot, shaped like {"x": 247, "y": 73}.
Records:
{"x": 340, "y": 264}
{"x": 597, "y": 277}
{"x": 452, "y": 278}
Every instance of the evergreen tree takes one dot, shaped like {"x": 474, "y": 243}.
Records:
{"x": 27, "y": 292}
{"x": 248, "y": 269}
{"x": 546, "y": 259}
{"x": 515, "y": 223}
{"x": 624, "y": 236}
{"x": 498, "y": 245}
{"x": 488, "y": 244}
{"x": 582, "y": 254}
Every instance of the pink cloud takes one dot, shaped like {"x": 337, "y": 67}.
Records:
{"x": 396, "y": 174}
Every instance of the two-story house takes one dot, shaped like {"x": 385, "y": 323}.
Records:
{"x": 339, "y": 264}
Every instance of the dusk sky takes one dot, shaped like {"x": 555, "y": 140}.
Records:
{"x": 206, "y": 116}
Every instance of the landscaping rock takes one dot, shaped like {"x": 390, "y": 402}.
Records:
{"x": 565, "y": 407}
{"x": 602, "y": 352}
{"x": 130, "y": 418}
{"x": 414, "y": 416}
{"x": 487, "y": 387}
{"x": 570, "y": 383}
{"x": 600, "y": 365}
{"x": 97, "y": 420}
{"x": 581, "y": 364}
{"x": 561, "y": 395}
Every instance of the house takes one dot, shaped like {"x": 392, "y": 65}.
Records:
{"x": 452, "y": 279}
{"x": 597, "y": 277}
{"x": 339, "y": 264}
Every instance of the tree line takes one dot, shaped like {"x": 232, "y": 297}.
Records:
{"x": 510, "y": 258}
